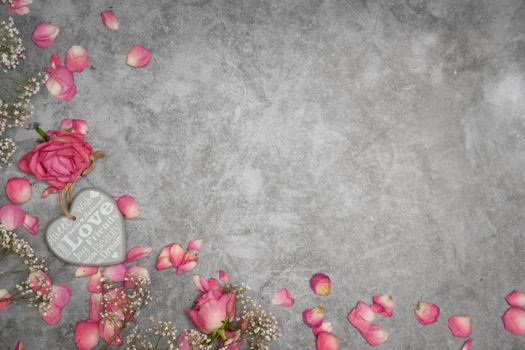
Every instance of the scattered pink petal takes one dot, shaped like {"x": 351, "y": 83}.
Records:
{"x": 176, "y": 255}
{"x": 467, "y": 344}
{"x": 18, "y": 190}
{"x": 195, "y": 244}
{"x": 31, "y": 224}
{"x": 128, "y": 207}
{"x": 321, "y": 284}
{"x": 313, "y": 317}
{"x": 188, "y": 263}
{"x": 283, "y": 298}
{"x": 48, "y": 191}
{"x": 427, "y": 313}
{"x": 134, "y": 274}
{"x": 514, "y": 320}
{"x": 44, "y": 35}
{"x": 115, "y": 273}
{"x": 51, "y": 315}
{"x": 61, "y": 295}
{"x": 77, "y": 126}
{"x": 40, "y": 282}
{"x": 86, "y": 334}
{"x": 77, "y": 59}
{"x": 383, "y": 305}
{"x": 460, "y": 326}
{"x": 19, "y": 7}
{"x": 110, "y": 20}
{"x": 361, "y": 316}
{"x": 84, "y": 271}
{"x": 223, "y": 276}
{"x": 110, "y": 333}
{"x": 164, "y": 260}
{"x": 516, "y": 298}
{"x": 375, "y": 335}
{"x": 95, "y": 282}
{"x": 137, "y": 253}
{"x": 5, "y": 299}
{"x": 11, "y": 216}
{"x": 95, "y": 306}
{"x": 60, "y": 84}
{"x": 327, "y": 341}
{"x": 326, "y": 327}
{"x": 138, "y": 56}
{"x": 201, "y": 283}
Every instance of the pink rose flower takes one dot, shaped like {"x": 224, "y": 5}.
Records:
{"x": 59, "y": 160}
{"x": 212, "y": 310}
{"x": 60, "y": 82}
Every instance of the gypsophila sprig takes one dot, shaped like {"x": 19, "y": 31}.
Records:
{"x": 11, "y": 48}
{"x": 159, "y": 335}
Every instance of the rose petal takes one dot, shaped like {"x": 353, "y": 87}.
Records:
{"x": 283, "y": 298}
{"x": 115, "y": 273}
{"x": 361, "y": 316}
{"x": 326, "y": 327}
{"x": 77, "y": 59}
{"x": 11, "y": 217}
{"x": 138, "y": 56}
{"x": 44, "y": 35}
{"x": 83, "y": 271}
{"x": 195, "y": 244}
{"x": 185, "y": 267}
{"x": 375, "y": 335}
{"x": 176, "y": 255}
{"x": 86, "y": 334}
{"x": 5, "y": 299}
{"x": 460, "y": 326}
{"x": 109, "y": 332}
{"x": 95, "y": 306}
{"x": 383, "y": 305}
{"x": 19, "y": 345}
{"x": 128, "y": 207}
{"x": 61, "y": 295}
{"x": 164, "y": 260}
{"x": 201, "y": 283}
{"x": 514, "y": 320}
{"x": 516, "y": 298}
{"x": 313, "y": 317}
{"x": 427, "y": 313}
{"x": 467, "y": 344}
{"x": 31, "y": 224}
{"x": 137, "y": 253}
{"x": 135, "y": 273}
{"x": 321, "y": 284}
{"x": 18, "y": 190}
{"x": 327, "y": 341}
{"x": 223, "y": 276}
{"x": 110, "y": 20}
{"x": 51, "y": 315}
{"x": 95, "y": 282}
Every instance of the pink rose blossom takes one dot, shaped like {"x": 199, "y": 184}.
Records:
{"x": 18, "y": 190}
{"x": 44, "y": 35}
{"x": 138, "y": 56}
{"x": 212, "y": 310}
{"x": 109, "y": 19}
{"x": 77, "y": 59}
{"x": 11, "y": 216}
{"x": 76, "y": 126}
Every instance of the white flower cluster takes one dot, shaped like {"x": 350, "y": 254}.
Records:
{"x": 11, "y": 48}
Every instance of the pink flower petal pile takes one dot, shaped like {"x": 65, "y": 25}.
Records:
{"x": 109, "y": 19}
{"x": 514, "y": 318}
{"x": 173, "y": 255}
{"x": 321, "y": 284}
{"x": 18, "y": 190}
{"x": 58, "y": 294}
{"x": 19, "y": 7}
{"x": 44, "y": 35}
{"x": 283, "y": 298}
{"x": 362, "y": 316}
{"x": 138, "y": 56}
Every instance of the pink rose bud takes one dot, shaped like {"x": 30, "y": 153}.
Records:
{"x": 44, "y": 35}
{"x": 31, "y": 224}
{"x": 427, "y": 313}
{"x": 327, "y": 341}
{"x": 514, "y": 320}
{"x": 460, "y": 326}
{"x": 361, "y": 316}
{"x": 375, "y": 335}
{"x": 128, "y": 207}
{"x": 77, "y": 59}
{"x": 19, "y": 7}
{"x": 516, "y": 298}
{"x": 138, "y": 56}
{"x": 383, "y": 305}
{"x": 321, "y": 284}
{"x": 326, "y": 327}
{"x": 84, "y": 271}
{"x": 18, "y": 190}
{"x": 137, "y": 253}
{"x": 11, "y": 217}
{"x": 283, "y": 298}
{"x": 5, "y": 299}
{"x": 78, "y": 126}
{"x": 109, "y": 19}
{"x": 195, "y": 244}
{"x": 467, "y": 344}
{"x": 87, "y": 334}
{"x": 313, "y": 317}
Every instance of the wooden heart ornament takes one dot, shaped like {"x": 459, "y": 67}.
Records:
{"x": 95, "y": 237}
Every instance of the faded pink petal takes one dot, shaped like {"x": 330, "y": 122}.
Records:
{"x": 115, "y": 273}
{"x": 134, "y": 274}
{"x": 11, "y": 217}
{"x": 51, "y": 315}
{"x": 48, "y": 191}
{"x": 5, "y": 299}
{"x": 19, "y": 7}
{"x": 383, "y": 305}
{"x": 77, "y": 126}
{"x": 77, "y": 59}
{"x": 128, "y": 207}
{"x": 61, "y": 84}
{"x": 361, "y": 316}
{"x": 110, "y": 20}
{"x": 137, "y": 253}
{"x": 83, "y": 271}
{"x": 427, "y": 313}
{"x": 61, "y": 295}
{"x": 467, "y": 344}
{"x": 95, "y": 283}
{"x": 86, "y": 334}
{"x": 516, "y": 298}
{"x": 31, "y": 224}
{"x": 164, "y": 260}
{"x": 283, "y": 298}
{"x": 321, "y": 284}
{"x": 176, "y": 255}
{"x": 109, "y": 331}
{"x": 326, "y": 327}
{"x": 327, "y": 341}
{"x": 313, "y": 317}
{"x": 138, "y": 56}
{"x": 375, "y": 335}
{"x": 18, "y": 190}
{"x": 195, "y": 244}
{"x": 460, "y": 326}
{"x": 188, "y": 266}
{"x": 201, "y": 283}
{"x": 19, "y": 345}
{"x": 514, "y": 320}
{"x": 44, "y": 35}
{"x": 223, "y": 276}
{"x": 95, "y": 306}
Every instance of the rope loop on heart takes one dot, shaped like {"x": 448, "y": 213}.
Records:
{"x": 66, "y": 193}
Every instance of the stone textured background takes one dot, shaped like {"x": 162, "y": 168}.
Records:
{"x": 379, "y": 141}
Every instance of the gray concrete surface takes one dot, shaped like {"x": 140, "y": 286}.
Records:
{"x": 381, "y": 142}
